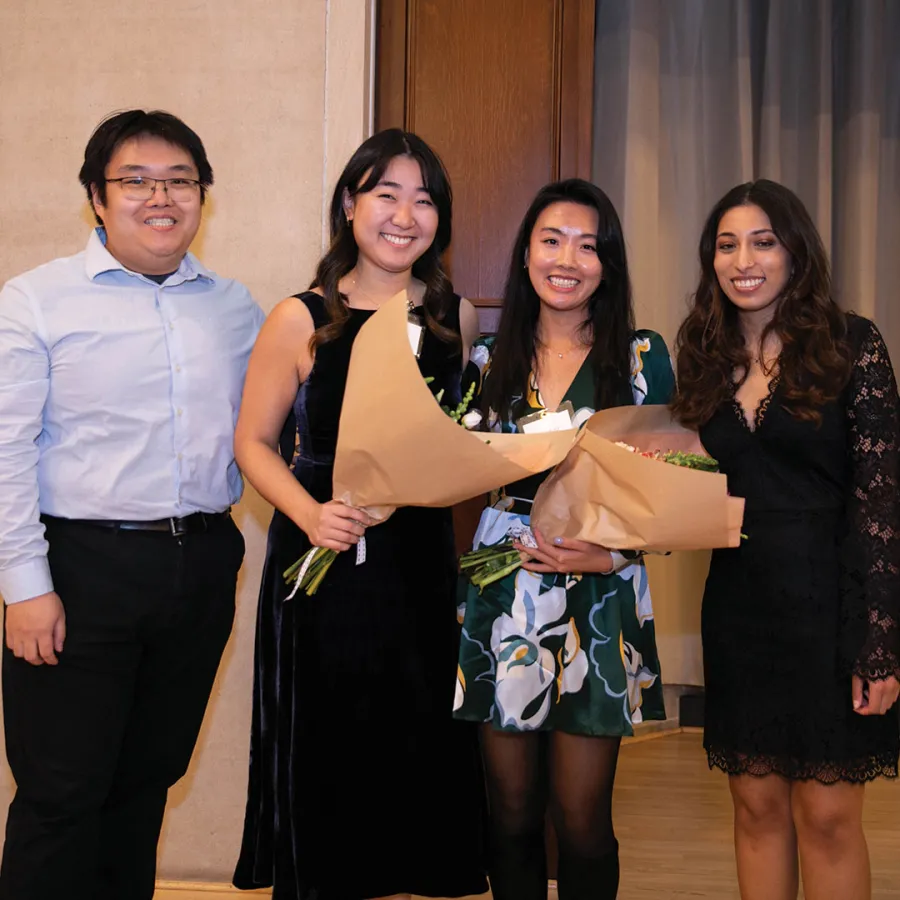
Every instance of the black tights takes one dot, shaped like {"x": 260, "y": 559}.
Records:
{"x": 574, "y": 774}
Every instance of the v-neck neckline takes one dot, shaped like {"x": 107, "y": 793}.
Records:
{"x": 565, "y": 396}
{"x": 759, "y": 413}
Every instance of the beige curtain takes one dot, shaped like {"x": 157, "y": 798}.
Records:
{"x": 695, "y": 96}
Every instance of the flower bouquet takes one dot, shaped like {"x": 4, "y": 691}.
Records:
{"x": 611, "y": 490}
{"x": 308, "y": 572}
{"x": 412, "y": 453}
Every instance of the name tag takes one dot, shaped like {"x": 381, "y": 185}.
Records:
{"x": 546, "y": 420}
{"x": 415, "y": 331}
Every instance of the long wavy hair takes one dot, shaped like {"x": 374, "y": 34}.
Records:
{"x": 364, "y": 171}
{"x": 815, "y": 359}
{"x": 609, "y": 316}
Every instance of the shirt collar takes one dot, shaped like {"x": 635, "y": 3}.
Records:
{"x": 99, "y": 260}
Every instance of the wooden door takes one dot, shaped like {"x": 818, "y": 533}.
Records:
{"x": 503, "y": 90}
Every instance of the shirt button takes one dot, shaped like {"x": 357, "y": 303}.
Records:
{"x": 181, "y": 456}
{"x": 171, "y": 326}
{"x": 177, "y": 368}
{"x": 178, "y": 412}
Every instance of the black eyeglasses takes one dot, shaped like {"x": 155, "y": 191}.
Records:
{"x": 139, "y": 187}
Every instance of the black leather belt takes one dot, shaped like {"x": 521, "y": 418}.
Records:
{"x": 196, "y": 523}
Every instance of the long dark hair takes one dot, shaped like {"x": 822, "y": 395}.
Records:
{"x": 609, "y": 317}
{"x": 815, "y": 358}
{"x": 370, "y": 162}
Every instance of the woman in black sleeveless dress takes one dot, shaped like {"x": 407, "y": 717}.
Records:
{"x": 361, "y": 783}
{"x": 801, "y": 623}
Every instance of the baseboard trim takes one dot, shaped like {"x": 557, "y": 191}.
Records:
{"x": 206, "y": 887}
{"x": 639, "y": 738}
{"x": 203, "y": 887}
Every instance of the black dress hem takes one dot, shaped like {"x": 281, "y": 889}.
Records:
{"x": 855, "y": 771}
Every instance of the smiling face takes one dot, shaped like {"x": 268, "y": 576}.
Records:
{"x": 753, "y": 267}
{"x": 563, "y": 265}
{"x": 149, "y": 236}
{"x": 395, "y": 222}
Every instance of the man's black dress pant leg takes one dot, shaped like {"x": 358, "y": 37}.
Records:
{"x": 95, "y": 742}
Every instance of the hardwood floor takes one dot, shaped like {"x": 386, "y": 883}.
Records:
{"x": 674, "y": 824}
{"x": 673, "y": 821}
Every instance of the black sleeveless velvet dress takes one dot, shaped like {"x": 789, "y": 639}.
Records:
{"x": 361, "y": 782}
{"x": 813, "y": 594}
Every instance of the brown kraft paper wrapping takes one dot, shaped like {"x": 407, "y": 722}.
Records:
{"x": 609, "y": 496}
{"x": 397, "y": 447}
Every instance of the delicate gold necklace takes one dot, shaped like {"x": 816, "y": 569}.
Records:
{"x": 377, "y": 303}
{"x": 561, "y": 354}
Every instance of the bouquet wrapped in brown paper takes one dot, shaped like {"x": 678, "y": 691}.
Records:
{"x": 625, "y": 500}
{"x": 410, "y": 452}
{"x": 634, "y": 480}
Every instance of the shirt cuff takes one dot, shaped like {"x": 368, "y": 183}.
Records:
{"x": 26, "y": 581}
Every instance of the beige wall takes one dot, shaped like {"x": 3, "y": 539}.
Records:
{"x": 278, "y": 91}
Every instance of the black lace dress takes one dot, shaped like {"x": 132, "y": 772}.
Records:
{"x": 361, "y": 782}
{"x": 813, "y": 594}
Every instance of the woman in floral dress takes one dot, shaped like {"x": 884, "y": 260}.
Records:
{"x": 559, "y": 660}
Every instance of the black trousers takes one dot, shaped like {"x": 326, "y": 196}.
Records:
{"x": 95, "y": 742}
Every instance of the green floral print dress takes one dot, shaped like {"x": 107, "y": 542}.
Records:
{"x": 570, "y": 652}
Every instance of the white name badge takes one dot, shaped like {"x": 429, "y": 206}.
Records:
{"x": 546, "y": 420}
{"x": 416, "y": 334}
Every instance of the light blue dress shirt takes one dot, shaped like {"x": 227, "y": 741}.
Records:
{"x": 118, "y": 399}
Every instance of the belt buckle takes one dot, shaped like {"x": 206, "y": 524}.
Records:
{"x": 176, "y": 527}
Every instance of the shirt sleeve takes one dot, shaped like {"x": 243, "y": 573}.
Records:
{"x": 24, "y": 384}
{"x": 258, "y": 315}
{"x": 871, "y": 603}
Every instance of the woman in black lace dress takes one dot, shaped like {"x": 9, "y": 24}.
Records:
{"x": 361, "y": 783}
{"x": 801, "y": 638}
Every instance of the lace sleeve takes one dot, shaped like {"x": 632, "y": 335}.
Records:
{"x": 872, "y": 604}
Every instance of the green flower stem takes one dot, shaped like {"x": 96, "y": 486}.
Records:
{"x": 490, "y": 564}
{"x": 482, "y": 583}
{"x": 295, "y": 568}
{"x": 477, "y": 557}
{"x": 489, "y": 550}
{"x": 313, "y": 585}
{"x": 321, "y": 561}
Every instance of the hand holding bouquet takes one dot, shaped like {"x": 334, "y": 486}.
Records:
{"x": 612, "y": 491}
{"x": 308, "y": 572}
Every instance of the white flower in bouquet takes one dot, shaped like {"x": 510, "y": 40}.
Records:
{"x": 472, "y": 419}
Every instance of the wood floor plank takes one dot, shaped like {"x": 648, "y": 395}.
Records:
{"x": 674, "y": 824}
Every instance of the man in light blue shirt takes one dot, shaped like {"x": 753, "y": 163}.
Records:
{"x": 121, "y": 370}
